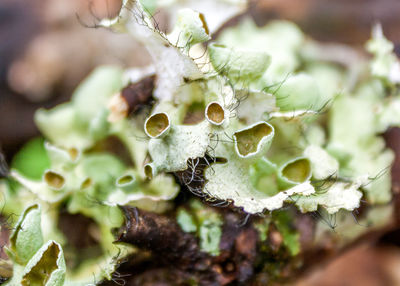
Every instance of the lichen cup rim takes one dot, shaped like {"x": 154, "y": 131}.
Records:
{"x": 157, "y": 131}
{"x": 214, "y": 119}
{"x": 263, "y": 143}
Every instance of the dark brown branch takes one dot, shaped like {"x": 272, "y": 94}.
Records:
{"x": 180, "y": 253}
{"x": 162, "y": 236}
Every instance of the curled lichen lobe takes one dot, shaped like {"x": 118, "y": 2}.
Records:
{"x": 41, "y": 272}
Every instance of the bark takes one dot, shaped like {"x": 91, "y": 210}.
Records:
{"x": 176, "y": 255}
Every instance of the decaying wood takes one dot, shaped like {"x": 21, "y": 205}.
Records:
{"x": 180, "y": 253}
{"x": 161, "y": 235}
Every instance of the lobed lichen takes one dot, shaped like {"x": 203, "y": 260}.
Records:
{"x": 278, "y": 125}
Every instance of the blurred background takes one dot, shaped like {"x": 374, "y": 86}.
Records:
{"x": 48, "y": 46}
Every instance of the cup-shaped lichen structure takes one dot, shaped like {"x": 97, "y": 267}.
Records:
{"x": 293, "y": 172}
{"x": 252, "y": 140}
{"x": 86, "y": 183}
{"x": 157, "y": 125}
{"x": 149, "y": 171}
{"x": 54, "y": 180}
{"x": 215, "y": 113}
{"x": 126, "y": 182}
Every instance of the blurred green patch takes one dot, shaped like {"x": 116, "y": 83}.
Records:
{"x": 32, "y": 159}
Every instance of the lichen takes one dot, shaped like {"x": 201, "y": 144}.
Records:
{"x": 276, "y": 125}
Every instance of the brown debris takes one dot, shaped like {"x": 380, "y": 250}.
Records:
{"x": 177, "y": 255}
{"x": 139, "y": 93}
{"x": 162, "y": 236}
{"x": 132, "y": 98}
